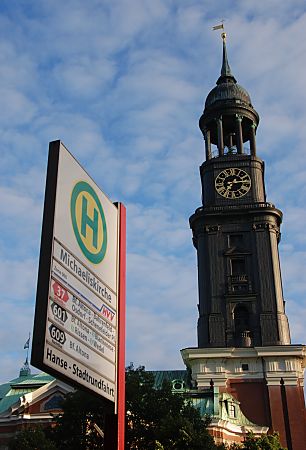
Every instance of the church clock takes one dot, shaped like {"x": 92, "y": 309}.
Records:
{"x": 233, "y": 183}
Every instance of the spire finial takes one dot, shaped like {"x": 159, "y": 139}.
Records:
{"x": 27, "y": 345}
{"x": 221, "y": 27}
{"x": 225, "y": 70}
{"x": 25, "y": 370}
{"x": 226, "y": 74}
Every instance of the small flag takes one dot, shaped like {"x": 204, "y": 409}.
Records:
{"x": 27, "y": 344}
{"x": 218, "y": 27}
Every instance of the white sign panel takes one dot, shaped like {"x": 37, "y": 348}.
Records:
{"x": 81, "y": 322}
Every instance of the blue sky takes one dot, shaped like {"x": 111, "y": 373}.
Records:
{"x": 123, "y": 83}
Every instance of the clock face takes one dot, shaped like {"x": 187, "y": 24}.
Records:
{"x": 233, "y": 183}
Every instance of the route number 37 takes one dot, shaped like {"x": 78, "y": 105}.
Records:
{"x": 60, "y": 292}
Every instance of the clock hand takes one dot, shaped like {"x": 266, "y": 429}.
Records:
{"x": 240, "y": 181}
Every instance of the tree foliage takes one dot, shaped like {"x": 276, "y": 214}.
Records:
{"x": 156, "y": 419}
{"x": 159, "y": 419}
{"x": 31, "y": 439}
{"x": 264, "y": 442}
{"x": 77, "y": 428}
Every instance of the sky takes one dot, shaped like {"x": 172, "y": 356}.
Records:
{"x": 122, "y": 83}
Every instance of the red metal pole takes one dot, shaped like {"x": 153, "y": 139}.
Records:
{"x": 121, "y": 327}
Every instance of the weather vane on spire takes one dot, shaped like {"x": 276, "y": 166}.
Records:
{"x": 221, "y": 27}
{"x": 26, "y": 346}
{"x": 25, "y": 370}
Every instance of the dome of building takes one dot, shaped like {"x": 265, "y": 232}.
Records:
{"x": 228, "y": 90}
{"x": 229, "y": 119}
{"x": 228, "y": 101}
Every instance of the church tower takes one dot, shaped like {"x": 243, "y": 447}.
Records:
{"x": 244, "y": 346}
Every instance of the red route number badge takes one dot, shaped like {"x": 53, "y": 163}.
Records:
{"x": 59, "y": 292}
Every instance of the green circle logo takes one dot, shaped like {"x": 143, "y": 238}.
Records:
{"x": 88, "y": 222}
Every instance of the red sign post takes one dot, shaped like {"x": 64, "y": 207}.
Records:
{"x": 115, "y": 424}
{"x": 121, "y": 331}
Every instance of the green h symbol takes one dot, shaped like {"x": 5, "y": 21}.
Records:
{"x": 92, "y": 223}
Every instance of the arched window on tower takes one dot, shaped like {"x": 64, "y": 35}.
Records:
{"x": 242, "y": 326}
{"x": 238, "y": 266}
{"x": 238, "y": 279}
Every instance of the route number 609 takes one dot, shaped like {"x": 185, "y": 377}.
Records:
{"x": 57, "y": 334}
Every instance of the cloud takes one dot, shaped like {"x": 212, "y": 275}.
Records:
{"x": 17, "y": 290}
{"x": 150, "y": 339}
{"x": 167, "y": 279}
{"x": 165, "y": 230}
{"x": 295, "y": 284}
{"x": 18, "y": 283}
{"x": 19, "y": 108}
{"x": 20, "y": 225}
{"x": 296, "y": 313}
{"x": 12, "y": 362}
{"x": 123, "y": 84}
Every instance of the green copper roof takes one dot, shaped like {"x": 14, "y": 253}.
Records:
{"x": 202, "y": 400}
{"x": 8, "y": 401}
{"x": 168, "y": 375}
{"x": 230, "y": 410}
{"x": 11, "y": 392}
{"x": 38, "y": 379}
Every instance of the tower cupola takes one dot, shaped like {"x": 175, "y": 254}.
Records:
{"x": 229, "y": 119}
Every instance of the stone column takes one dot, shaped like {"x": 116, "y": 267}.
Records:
{"x": 220, "y": 137}
{"x": 207, "y": 144}
{"x": 230, "y": 140}
{"x": 239, "y": 139}
{"x": 253, "y": 140}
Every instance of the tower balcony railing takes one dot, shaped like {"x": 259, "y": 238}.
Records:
{"x": 256, "y": 205}
{"x": 239, "y": 284}
{"x": 229, "y": 151}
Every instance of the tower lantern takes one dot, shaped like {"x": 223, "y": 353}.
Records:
{"x": 229, "y": 119}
